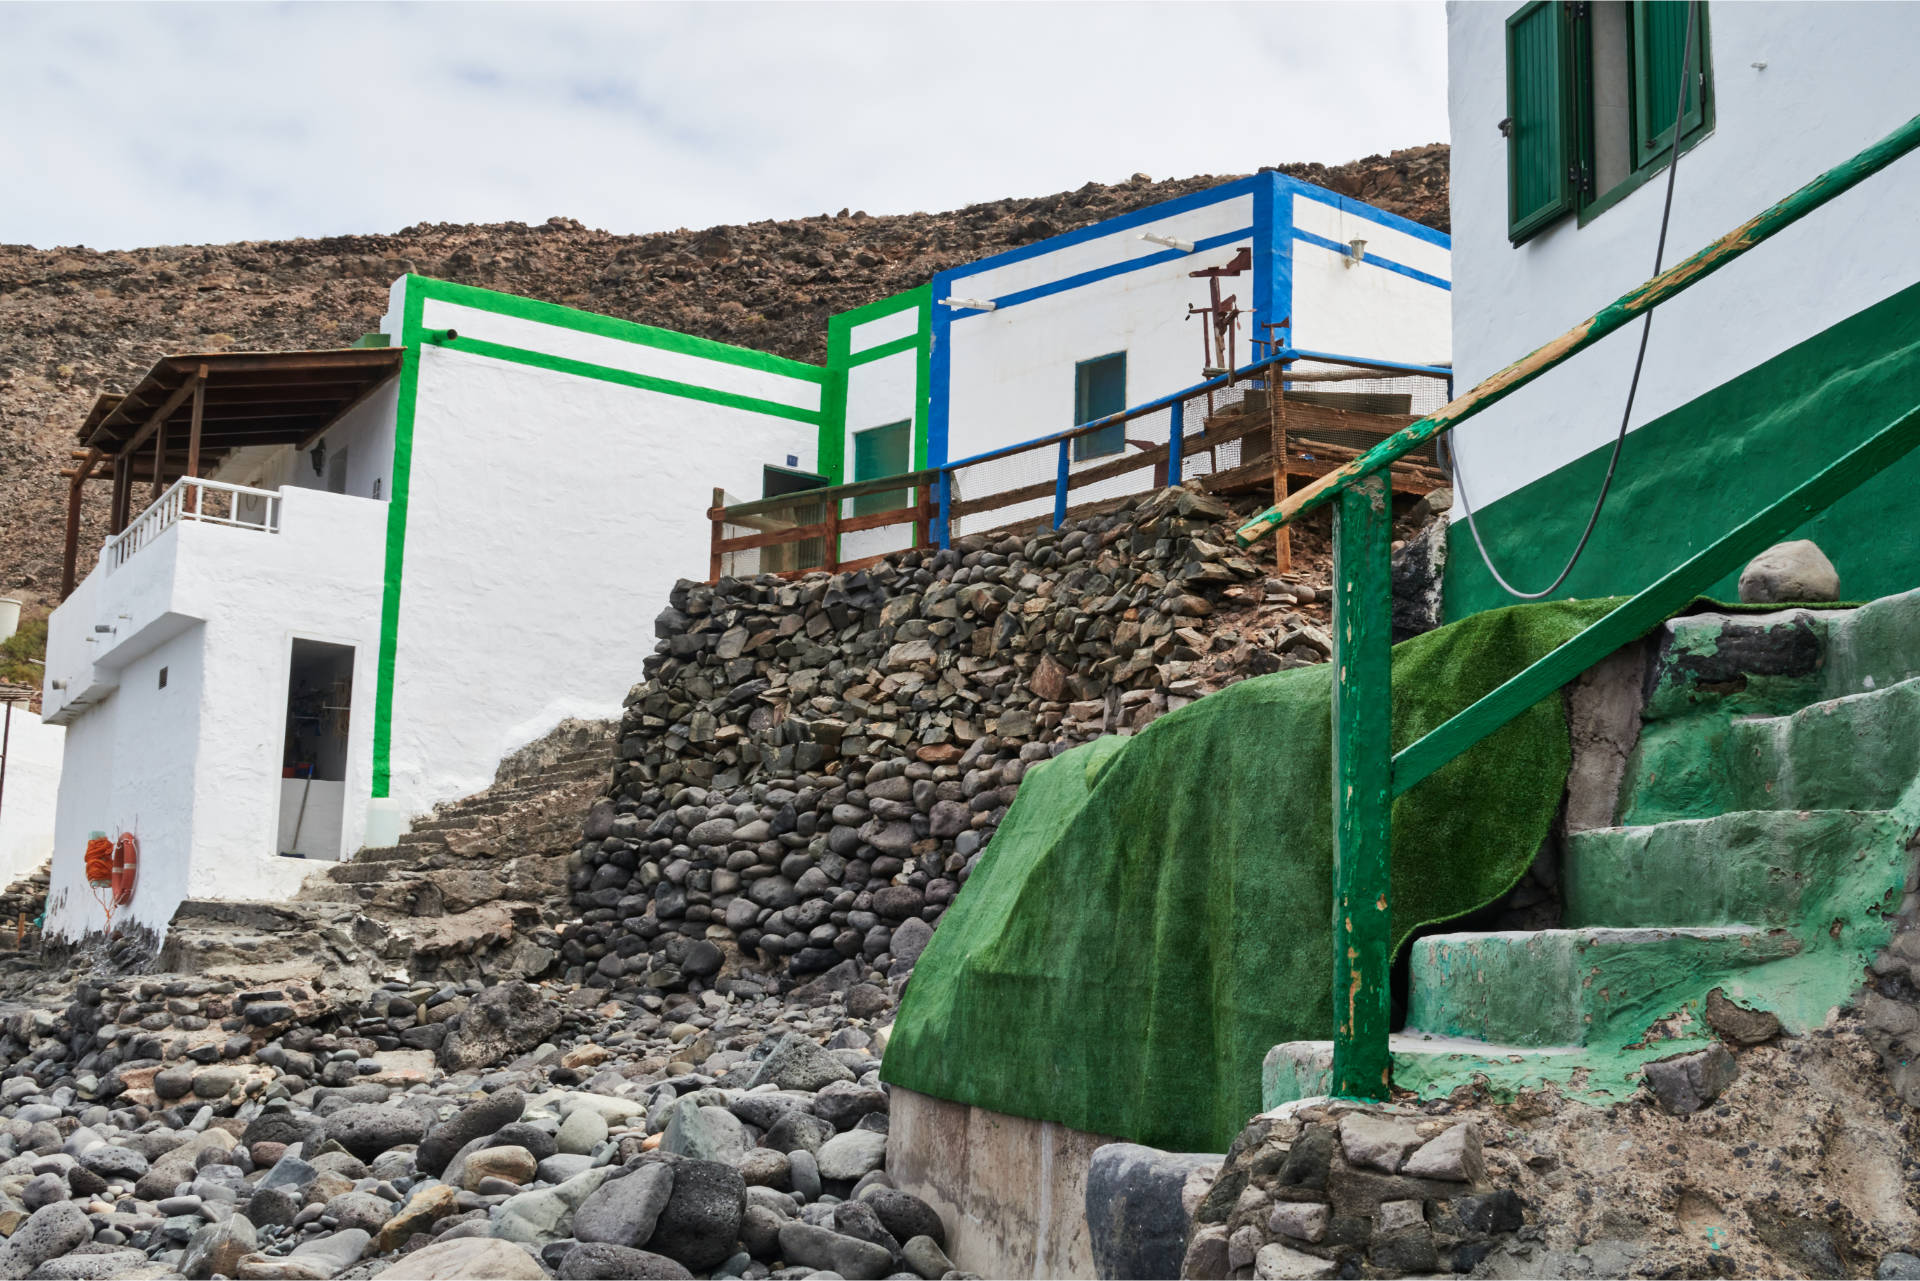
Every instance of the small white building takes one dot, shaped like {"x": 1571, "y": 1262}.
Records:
{"x": 30, "y": 752}
{"x": 363, "y": 576}
{"x": 1120, "y": 313}
{"x": 1755, "y": 379}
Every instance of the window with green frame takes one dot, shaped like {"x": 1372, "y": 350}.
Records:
{"x": 1591, "y": 91}
{"x": 1100, "y": 389}
{"x": 877, "y": 452}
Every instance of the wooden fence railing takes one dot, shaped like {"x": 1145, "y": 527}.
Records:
{"x": 1232, "y": 432}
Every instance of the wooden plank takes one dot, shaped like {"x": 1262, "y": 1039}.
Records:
{"x": 312, "y": 438}
{"x": 1362, "y": 796}
{"x": 714, "y": 553}
{"x": 1640, "y": 615}
{"x": 905, "y": 480}
{"x": 158, "y": 416}
{"x": 1675, "y": 280}
{"x": 819, "y": 529}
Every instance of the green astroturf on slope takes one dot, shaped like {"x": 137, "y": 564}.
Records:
{"x": 1155, "y": 912}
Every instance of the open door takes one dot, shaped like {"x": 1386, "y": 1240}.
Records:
{"x": 313, "y": 766}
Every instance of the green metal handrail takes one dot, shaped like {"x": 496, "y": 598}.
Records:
{"x": 1367, "y": 774}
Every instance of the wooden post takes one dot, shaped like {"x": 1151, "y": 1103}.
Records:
{"x": 122, "y": 485}
{"x": 945, "y": 526}
{"x": 719, "y": 527}
{"x": 1362, "y": 789}
{"x": 923, "y": 523}
{"x": 832, "y": 540}
{"x": 159, "y": 462}
{"x": 71, "y": 558}
{"x": 1277, "y": 442}
{"x": 193, "y": 436}
{"x": 1675, "y": 280}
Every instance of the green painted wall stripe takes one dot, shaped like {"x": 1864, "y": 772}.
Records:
{"x": 1692, "y": 474}
{"x": 587, "y": 322}
{"x": 409, "y": 391}
{"x": 626, "y": 378}
{"x": 906, "y": 342}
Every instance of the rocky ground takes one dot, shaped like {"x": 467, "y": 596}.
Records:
{"x": 75, "y": 322}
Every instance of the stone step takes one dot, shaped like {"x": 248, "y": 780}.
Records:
{"x": 1578, "y": 987}
{"x": 416, "y": 840}
{"x": 1858, "y": 751}
{"x": 1794, "y": 869}
{"x": 359, "y": 873}
{"x": 1431, "y": 1066}
{"x": 385, "y": 854}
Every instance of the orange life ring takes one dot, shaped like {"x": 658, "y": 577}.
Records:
{"x": 126, "y": 868}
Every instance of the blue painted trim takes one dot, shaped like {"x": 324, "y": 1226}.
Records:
{"x": 1060, "y": 486}
{"x": 1374, "y": 260}
{"x": 1273, "y": 257}
{"x": 1097, "y": 274}
{"x": 1439, "y": 371}
{"x": 1361, "y": 209}
{"x": 940, "y": 378}
{"x": 1176, "y": 439}
{"x": 1139, "y": 217}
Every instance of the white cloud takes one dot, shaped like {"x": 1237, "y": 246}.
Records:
{"x": 146, "y": 124}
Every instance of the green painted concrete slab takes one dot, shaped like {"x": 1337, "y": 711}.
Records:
{"x": 1433, "y": 1067}
{"x": 1605, "y": 987}
{"x": 1858, "y": 752}
{"x": 1796, "y": 869}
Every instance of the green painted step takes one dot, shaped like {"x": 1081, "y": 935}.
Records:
{"x": 1431, "y": 1065}
{"x": 1859, "y": 752}
{"x": 1794, "y": 869}
{"x": 1603, "y": 987}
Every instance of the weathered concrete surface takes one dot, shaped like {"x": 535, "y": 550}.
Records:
{"x": 1012, "y": 1191}
{"x": 1603, "y": 726}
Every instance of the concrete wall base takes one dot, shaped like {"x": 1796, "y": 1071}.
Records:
{"x": 1011, "y": 1190}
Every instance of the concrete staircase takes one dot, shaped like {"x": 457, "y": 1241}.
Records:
{"x": 472, "y": 890}
{"x": 1762, "y": 847}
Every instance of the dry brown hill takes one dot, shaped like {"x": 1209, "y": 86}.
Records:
{"x": 75, "y": 322}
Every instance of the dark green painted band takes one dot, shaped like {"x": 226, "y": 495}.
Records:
{"x": 907, "y": 342}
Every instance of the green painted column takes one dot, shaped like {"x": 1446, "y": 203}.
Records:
{"x": 1362, "y": 787}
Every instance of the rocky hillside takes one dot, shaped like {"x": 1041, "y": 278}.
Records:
{"x": 75, "y": 322}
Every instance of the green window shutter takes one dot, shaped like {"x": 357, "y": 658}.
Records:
{"x": 1100, "y": 389}
{"x": 1659, "y": 42}
{"x": 882, "y": 451}
{"x": 1539, "y": 119}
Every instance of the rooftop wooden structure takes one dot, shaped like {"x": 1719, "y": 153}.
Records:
{"x": 189, "y": 412}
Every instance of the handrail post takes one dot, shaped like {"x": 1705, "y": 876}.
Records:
{"x": 1060, "y": 487}
{"x": 946, "y": 508}
{"x": 1176, "y": 463}
{"x": 719, "y": 529}
{"x": 1362, "y": 788}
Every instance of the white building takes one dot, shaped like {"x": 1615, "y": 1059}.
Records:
{"x": 363, "y": 576}
{"x": 1756, "y": 378}
{"x": 29, "y": 780}
{"x": 1092, "y": 322}
{"x": 403, "y": 562}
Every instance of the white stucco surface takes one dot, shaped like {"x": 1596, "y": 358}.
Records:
{"x": 616, "y": 353}
{"x": 193, "y": 768}
{"x": 549, "y": 516}
{"x": 879, "y": 392}
{"x": 317, "y": 830}
{"x": 1231, "y": 214}
{"x": 1836, "y": 78}
{"x": 883, "y": 329}
{"x": 33, "y": 754}
{"x": 1366, "y": 310}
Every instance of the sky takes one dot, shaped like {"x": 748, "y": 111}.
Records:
{"x": 147, "y": 124}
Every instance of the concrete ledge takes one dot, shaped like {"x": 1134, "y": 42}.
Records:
{"x": 1011, "y": 1190}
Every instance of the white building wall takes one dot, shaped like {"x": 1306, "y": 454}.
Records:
{"x": 1836, "y": 77}
{"x": 193, "y": 769}
{"x": 33, "y": 754}
{"x": 1368, "y": 309}
{"x": 879, "y": 392}
{"x": 1011, "y": 371}
{"x": 549, "y": 515}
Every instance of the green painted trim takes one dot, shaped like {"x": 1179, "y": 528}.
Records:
{"x": 587, "y": 322}
{"x": 907, "y": 342}
{"x": 401, "y": 493}
{"x": 626, "y": 378}
{"x": 1362, "y": 801}
{"x": 1756, "y": 436}
{"x": 1672, "y": 282}
{"x": 841, "y": 358}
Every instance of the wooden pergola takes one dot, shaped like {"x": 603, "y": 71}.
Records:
{"x": 190, "y": 412}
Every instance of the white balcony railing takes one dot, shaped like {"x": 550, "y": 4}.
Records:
{"x": 191, "y": 498}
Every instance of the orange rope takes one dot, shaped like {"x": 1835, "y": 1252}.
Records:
{"x": 99, "y": 861}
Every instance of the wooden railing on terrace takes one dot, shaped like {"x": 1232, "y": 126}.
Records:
{"x": 1231, "y": 433}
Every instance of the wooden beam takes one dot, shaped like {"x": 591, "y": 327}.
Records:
{"x": 159, "y": 416}
{"x": 71, "y": 560}
{"x": 344, "y": 410}
{"x": 193, "y": 432}
{"x": 1763, "y": 226}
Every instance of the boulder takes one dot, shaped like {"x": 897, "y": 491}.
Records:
{"x": 467, "y": 1259}
{"x": 598, "y": 1261}
{"x": 700, "y": 1223}
{"x": 1790, "y": 572}
{"x": 502, "y": 1021}
{"x": 475, "y": 1121}
{"x": 624, "y": 1211}
{"x": 1137, "y": 1221}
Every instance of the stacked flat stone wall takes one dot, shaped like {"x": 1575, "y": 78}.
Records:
{"x": 810, "y": 770}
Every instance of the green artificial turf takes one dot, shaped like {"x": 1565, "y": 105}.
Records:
{"x": 1155, "y": 912}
